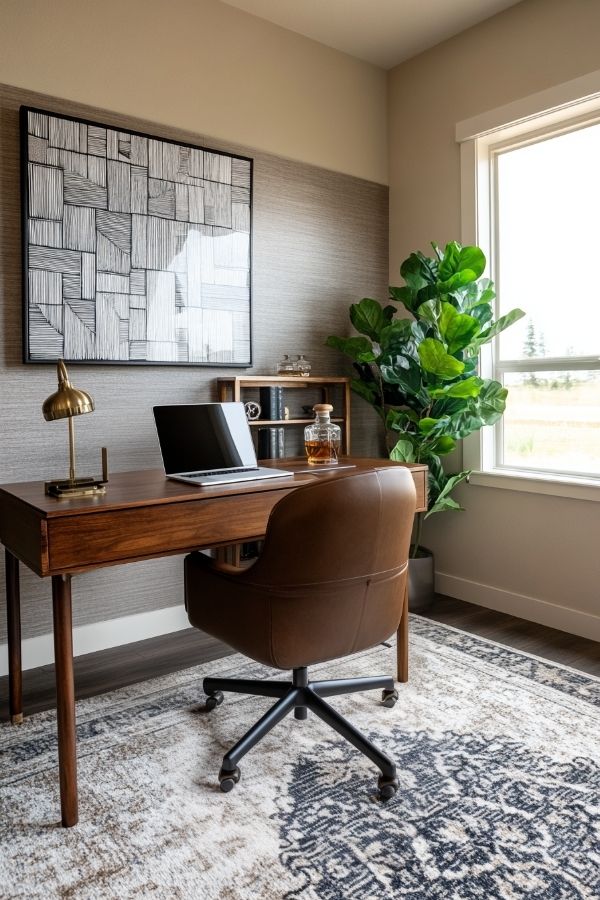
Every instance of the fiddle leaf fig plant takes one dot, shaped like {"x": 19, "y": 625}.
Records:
{"x": 420, "y": 372}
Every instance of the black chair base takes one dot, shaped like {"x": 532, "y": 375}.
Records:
{"x": 301, "y": 695}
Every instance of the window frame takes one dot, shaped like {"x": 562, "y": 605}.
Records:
{"x": 542, "y": 116}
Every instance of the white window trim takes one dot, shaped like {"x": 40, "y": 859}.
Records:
{"x": 567, "y": 103}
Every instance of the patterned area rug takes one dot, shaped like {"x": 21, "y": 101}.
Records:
{"x": 497, "y": 751}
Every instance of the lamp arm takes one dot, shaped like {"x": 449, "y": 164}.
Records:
{"x": 71, "y": 450}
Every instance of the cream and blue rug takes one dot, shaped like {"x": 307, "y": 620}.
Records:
{"x": 499, "y": 761}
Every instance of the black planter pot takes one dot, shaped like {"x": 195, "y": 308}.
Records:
{"x": 421, "y": 587}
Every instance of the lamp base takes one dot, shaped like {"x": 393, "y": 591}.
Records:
{"x": 78, "y": 487}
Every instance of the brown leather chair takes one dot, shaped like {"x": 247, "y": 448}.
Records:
{"x": 329, "y": 582}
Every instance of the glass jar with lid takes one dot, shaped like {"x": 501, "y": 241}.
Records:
{"x": 302, "y": 366}
{"x": 286, "y": 366}
{"x": 322, "y": 438}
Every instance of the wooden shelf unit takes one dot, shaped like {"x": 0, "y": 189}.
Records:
{"x": 232, "y": 389}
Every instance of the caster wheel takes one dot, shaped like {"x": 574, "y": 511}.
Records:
{"x": 228, "y": 778}
{"x": 388, "y": 698}
{"x": 214, "y": 700}
{"x": 387, "y": 787}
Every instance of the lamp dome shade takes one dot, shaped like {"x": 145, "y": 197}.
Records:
{"x": 67, "y": 401}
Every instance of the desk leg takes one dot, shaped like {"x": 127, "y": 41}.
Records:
{"x": 65, "y": 698}
{"x": 402, "y": 641}
{"x": 13, "y": 622}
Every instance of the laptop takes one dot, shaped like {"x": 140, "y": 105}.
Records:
{"x": 208, "y": 443}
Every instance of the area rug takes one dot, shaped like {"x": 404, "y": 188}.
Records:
{"x": 498, "y": 759}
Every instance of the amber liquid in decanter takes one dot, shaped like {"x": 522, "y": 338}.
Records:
{"x": 322, "y": 438}
{"x": 322, "y": 451}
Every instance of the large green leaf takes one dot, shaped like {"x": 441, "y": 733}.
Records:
{"x": 429, "y": 292}
{"x": 443, "y": 445}
{"x": 443, "y": 501}
{"x": 463, "y": 423}
{"x": 499, "y": 325}
{"x": 469, "y": 266}
{"x": 403, "y": 371}
{"x": 472, "y": 259}
{"x": 358, "y": 348}
{"x": 405, "y": 295}
{"x": 485, "y": 409}
{"x": 443, "y": 505}
{"x": 469, "y": 387}
{"x": 457, "y": 329}
{"x": 369, "y": 317}
{"x": 504, "y": 322}
{"x": 419, "y": 270}
{"x": 434, "y": 359}
{"x": 401, "y": 419}
{"x": 427, "y": 424}
{"x": 429, "y": 312}
{"x": 398, "y": 336}
{"x": 447, "y": 313}
{"x": 483, "y": 312}
{"x": 481, "y": 291}
{"x": 492, "y": 401}
{"x": 436, "y": 477}
{"x": 403, "y": 451}
{"x": 450, "y": 262}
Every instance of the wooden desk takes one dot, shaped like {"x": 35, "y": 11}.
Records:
{"x": 141, "y": 516}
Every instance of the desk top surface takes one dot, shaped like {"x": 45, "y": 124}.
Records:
{"x": 147, "y": 487}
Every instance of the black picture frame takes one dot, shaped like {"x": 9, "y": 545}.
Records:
{"x": 137, "y": 249}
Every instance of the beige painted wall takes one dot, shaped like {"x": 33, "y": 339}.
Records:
{"x": 206, "y": 67}
{"x": 528, "y": 546}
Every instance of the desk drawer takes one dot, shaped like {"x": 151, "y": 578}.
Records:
{"x": 102, "y": 538}
{"x": 420, "y": 480}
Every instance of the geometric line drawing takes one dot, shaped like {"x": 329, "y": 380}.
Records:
{"x": 137, "y": 249}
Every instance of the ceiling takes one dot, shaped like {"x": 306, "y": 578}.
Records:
{"x": 382, "y": 32}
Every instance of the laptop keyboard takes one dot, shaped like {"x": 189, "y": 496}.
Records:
{"x": 220, "y": 472}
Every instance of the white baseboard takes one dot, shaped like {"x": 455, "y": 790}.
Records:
{"x": 39, "y": 651}
{"x": 572, "y": 621}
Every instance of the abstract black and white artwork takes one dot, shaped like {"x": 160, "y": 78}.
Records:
{"x": 136, "y": 249}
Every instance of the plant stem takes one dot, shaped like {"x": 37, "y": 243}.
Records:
{"x": 388, "y": 446}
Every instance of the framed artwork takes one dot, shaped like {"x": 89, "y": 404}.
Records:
{"x": 136, "y": 249}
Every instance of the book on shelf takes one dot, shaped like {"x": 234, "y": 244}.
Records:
{"x": 271, "y": 403}
{"x": 271, "y": 443}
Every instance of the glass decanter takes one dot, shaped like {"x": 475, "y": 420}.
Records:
{"x": 322, "y": 438}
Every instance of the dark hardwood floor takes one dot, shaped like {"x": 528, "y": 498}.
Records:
{"x": 567, "y": 649}
{"x": 96, "y": 673}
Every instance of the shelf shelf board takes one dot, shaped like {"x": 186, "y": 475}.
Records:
{"x": 293, "y": 381}
{"x": 266, "y": 422}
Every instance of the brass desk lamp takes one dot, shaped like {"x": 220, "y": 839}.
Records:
{"x": 66, "y": 403}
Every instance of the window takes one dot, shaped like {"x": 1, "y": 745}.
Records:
{"x": 546, "y": 227}
{"x": 534, "y": 189}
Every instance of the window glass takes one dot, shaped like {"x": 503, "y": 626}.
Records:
{"x": 548, "y": 244}
{"x": 552, "y": 421}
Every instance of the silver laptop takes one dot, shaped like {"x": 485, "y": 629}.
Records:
{"x": 208, "y": 443}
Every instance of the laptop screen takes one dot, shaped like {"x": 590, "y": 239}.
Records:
{"x": 204, "y": 436}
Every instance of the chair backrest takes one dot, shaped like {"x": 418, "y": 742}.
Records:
{"x": 334, "y": 564}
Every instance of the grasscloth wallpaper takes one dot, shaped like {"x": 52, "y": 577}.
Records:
{"x": 320, "y": 243}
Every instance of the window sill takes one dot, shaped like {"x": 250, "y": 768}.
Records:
{"x": 543, "y": 483}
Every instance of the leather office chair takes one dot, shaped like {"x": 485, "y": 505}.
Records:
{"x": 330, "y": 582}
